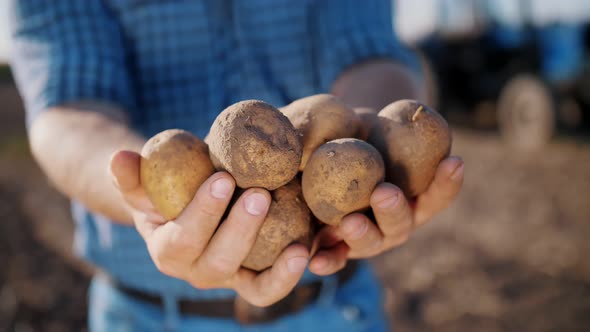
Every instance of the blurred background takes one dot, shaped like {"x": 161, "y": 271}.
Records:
{"x": 512, "y": 77}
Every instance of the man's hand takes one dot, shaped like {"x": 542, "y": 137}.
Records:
{"x": 359, "y": 237}
{"x": 198, "y": 248}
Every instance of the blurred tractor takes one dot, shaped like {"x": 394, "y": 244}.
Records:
{"x": 524, "y": 64}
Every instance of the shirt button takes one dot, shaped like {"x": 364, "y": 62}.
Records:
{"x": 350, "y": 312}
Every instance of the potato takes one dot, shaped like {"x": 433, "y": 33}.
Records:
{"x": 173, "y": 166}
{"x": 288, "y": 220}
{"x": 256, "y": 144}
{"x": 319, "y": 119}
{"x": 367, "y": 119}
{"x": 340, "y": 177}
{"x": 413, "y": 140}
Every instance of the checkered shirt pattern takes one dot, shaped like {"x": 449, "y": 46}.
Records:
{"x": 177, "y": 64}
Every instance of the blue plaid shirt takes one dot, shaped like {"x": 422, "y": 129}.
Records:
{"x": 177, "y": 64}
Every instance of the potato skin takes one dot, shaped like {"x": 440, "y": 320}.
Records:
{"x": 367, "y": 119}
{"x": 340, "y": 177}
{"x": 256, "y": 144}
{"x": 173, "y": 166}
{"x": 288, "y": 220}
{"x": 319, "y": 119}
{"x": 411, "y": 149}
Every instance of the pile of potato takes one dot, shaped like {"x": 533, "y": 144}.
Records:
{"x": 318, "y": 158}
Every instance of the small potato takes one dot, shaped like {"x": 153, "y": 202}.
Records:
{"x": 288, "y": 220}
{"x": 340, "y": 177}
{"x": 319, "y": 119}
{"x": 413, "y": 140}
{"x": 256, "y": 144}
{"x": 173, "y": 166}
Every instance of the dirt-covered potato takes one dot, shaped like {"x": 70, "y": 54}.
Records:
{"x": 367, "y": 119}
{"x": 413, "y": 140}
{"x": 256, "y": 144}
{"x": 173, "y": 166}
{"x": 340, "y": 177}
{"x": 319, "y": 119}
{"x": 288, "y": 220}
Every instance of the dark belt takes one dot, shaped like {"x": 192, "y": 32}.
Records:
{"x": 237, "y": 308}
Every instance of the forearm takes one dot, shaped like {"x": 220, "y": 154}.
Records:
{"x": 73, "y": 146}
{"x": 377, "y": 83}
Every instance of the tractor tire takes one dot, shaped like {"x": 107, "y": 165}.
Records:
{"x": 526, "y": 115}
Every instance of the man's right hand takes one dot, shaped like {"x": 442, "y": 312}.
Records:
{"x": 198, "y": 248}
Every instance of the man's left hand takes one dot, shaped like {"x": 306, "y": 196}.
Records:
{"x": 396, "y": 218}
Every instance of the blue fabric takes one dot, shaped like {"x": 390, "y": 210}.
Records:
{"x": 562, "y": 49}
{"x": 508, "y": 37}
{"x": 177, "y": 64}
{"x": 355, "y": 306}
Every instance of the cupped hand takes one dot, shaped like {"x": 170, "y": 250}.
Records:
{"x": 396, "y": 218}
{"x": 198, "y": 248}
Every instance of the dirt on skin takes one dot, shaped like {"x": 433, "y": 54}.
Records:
{"x": 509, "y": 255}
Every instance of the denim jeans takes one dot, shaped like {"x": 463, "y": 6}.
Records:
{"x": 355, "y": 306}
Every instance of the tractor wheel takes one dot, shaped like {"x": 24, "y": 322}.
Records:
{"x": 526, "y": 115}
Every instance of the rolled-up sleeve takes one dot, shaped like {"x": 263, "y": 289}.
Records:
{"x": 352, "y": 31}
{"x": 66, "y": 51}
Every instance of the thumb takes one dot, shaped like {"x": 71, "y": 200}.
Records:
{"x": 442, "y": 191}
{"x": 124, "y": 169}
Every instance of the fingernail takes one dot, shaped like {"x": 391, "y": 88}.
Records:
{"x": 354, "y": 228}
{"x": 221, "y": 188}
{"x": 458, "y": 172}
{"x": 296, "y": 264}
{"x": 388, "y": 202}
{"x": 256, "y": 204}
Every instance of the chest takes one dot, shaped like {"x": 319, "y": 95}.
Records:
{"x": 191, "y": 59}
{"x": 169, "y": 37}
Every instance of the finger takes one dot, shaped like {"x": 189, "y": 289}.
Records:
{"x": 146, "y": 223}
{"x": 275, "y": 283}
{"x": 362, "y": 236}
{"x": 185, "y": 238}
{"x": 233, "y": 240}
{"x": 442, "y": 191}
{"x": 124, "y": 167}
{"x": 327, "y": 237}
{"x": 329, "y": 261}
{"x": 392, "y": 212}
{"x": 209, "y": 203}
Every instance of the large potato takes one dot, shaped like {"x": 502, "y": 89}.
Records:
{"x": 319, "y": 119}
{"x": 288, "y": 220}
{"x": 173, "y": 166}
{"x": 340, "y": 177}
{"x": 413, "y": 140}
{"x": 256, "y": 144}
